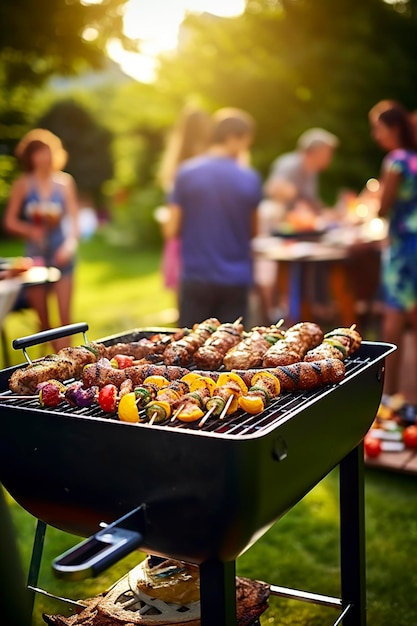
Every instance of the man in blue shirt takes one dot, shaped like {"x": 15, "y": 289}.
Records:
{"x": 213, "y": 210}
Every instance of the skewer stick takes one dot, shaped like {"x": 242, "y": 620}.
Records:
{"x": 280, "y": 323}
{"x": 206, "y": 416}
{"x": 237, "y": 322}
{"x": 177, "y": 412}
{"x": 153, "y": 417}
{"x": 226, "y": 406}
{"x": 18, "y": 397}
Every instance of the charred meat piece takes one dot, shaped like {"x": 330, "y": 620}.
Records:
{"x": 302, "y": 376}
{"x": 249, "y": 352}
{"x": 210, "y": 356}
{"x": 67, "y": 363}
{"x": 181, "y": 352}
{"x": 337, "y": 344}
{"x": 298, "y": 340}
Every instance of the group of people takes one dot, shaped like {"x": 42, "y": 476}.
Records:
{"x": 215, "y": 205}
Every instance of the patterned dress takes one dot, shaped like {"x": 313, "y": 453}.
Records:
{"x": 399, "y": 263}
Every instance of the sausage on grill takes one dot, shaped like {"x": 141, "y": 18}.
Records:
{"x": 303, "y": 375}
{"x": 181, "y": 352}
{"x": 337, "y": 344}
{"x": 210, "y": 356}
{"x": 250, "y": 351}
{"x": 298, "y": 340}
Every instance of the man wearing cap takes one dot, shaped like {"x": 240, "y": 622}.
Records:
{"x": 294, "y": 176}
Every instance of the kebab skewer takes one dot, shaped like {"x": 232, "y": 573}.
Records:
{"x": 181, "y": 352}
{"x": 298, "y": 340}
{"x": 210, "y": 355}
{"x": 250, "y": 351}
{"x": 337, "y": 344}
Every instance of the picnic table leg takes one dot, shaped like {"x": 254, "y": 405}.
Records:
{"x": 342, "y": 292}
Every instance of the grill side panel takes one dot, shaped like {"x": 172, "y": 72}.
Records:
{"x": 206, "y": 496}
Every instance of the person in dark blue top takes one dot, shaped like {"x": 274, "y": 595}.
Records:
{"x": 43, "y": 210}
{"x": 213, "y": 208}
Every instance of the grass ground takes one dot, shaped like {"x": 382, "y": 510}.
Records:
{"x": 118, "y": 289}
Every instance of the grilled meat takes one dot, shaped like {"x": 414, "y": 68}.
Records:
{"x": 303, "y": 375}
{"x": 249, "y": 352}
{"x": 101, "y": 374}
{"x": 181, "y": 352}
{"x": 210, "y": 356}
{"x": 337, "y": 344}
{"x": 67, "y": 363}
{"x": 147, "y": 346}
{"x": 298, "y": 340}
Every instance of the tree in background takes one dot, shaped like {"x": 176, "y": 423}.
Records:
{"x": 299, "y": 63}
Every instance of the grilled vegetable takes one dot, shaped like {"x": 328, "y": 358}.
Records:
{"x": 51, "y": 393}
{"x": 127, "y": 409}
{"x": 264, "y": 386}
{"x": 107, "y": 398}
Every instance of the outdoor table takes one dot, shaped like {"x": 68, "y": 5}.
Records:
{"x": 335, "y": 247}
{"x": 10, "y": 288}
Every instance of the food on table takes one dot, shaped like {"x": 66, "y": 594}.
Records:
{"x": 298, "y": 340}
{"x": 181, "y": 352}
{"x": 250, "y": 351}
{"x": 372, "y": 446}
{"x": 337, "y": 344}
{"x": 410, "y": 436}
{"x": 210, "y": 355}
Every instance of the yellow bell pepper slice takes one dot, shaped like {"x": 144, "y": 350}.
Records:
{"x": 190, "y": 413}
{"x": 257, "y": 379}
{"x": 127, "y": 409}
{"x": 226, "y": 377}
{"x": 203, "y": 382}
{"x": 159, "y": 381}
{"x": 158, "y": 411}
{"x": 251, "y": 404}
{"x": 189, "y": 377}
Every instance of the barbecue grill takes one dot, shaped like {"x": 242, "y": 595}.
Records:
{"x": 202, "y": 495}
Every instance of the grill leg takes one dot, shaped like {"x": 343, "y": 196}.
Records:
{"x": 352, "y": 537}
{"x": 218, "y": 593}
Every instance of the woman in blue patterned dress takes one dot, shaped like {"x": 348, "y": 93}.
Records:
{"x": 392, "y": 129}
{"x": 43, "y": 210}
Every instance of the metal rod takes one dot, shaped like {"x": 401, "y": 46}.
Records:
{"x": 306, "y": 596}
{"x": 352, "y": 537}
{"x": 218, "y": 593}
{"x": 35, "y": 562}
{"x": 343, "y": 615}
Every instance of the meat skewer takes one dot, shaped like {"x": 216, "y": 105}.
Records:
{"x": 298, "y": 340}
{"x": 181, "y": 352}
{"x": 210, "y": 355}
{"x": 154, "y": 346}
{"x": 337, "y": 344}
{"x": 249, "y": 352}
{"x": 304, "y": 375}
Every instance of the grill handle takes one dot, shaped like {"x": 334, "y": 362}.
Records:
{"x": 49, "y": 335}
{"x": 95, "y": 554}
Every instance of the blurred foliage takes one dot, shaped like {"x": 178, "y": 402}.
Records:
{"x": 38, "y": 39}
{"x": 292, "y": 64}
{"x": 300, "y": 63}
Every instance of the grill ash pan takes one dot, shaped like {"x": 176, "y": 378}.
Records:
{"x": 206, "y": 494}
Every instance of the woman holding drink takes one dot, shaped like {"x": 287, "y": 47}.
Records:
{"x": 43, "y": 210}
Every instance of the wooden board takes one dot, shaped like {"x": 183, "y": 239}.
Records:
{"x": 405, "y": 461}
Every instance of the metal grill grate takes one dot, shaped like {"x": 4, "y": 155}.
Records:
{"x": 238, "y": 424}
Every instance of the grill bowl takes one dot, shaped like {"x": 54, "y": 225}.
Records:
{"x": 208, "y": 493}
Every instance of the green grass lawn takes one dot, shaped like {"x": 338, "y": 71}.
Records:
{"x": 117, "y": 289}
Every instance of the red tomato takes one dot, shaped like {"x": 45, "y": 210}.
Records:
{"x": 372, "y": 446}
{"x": 410, "y": 436}
{"x": 107, "y": 398}
{"x": 121, "y": 361}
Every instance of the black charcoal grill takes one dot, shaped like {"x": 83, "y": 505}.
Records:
{"x": 202, "y": 495}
